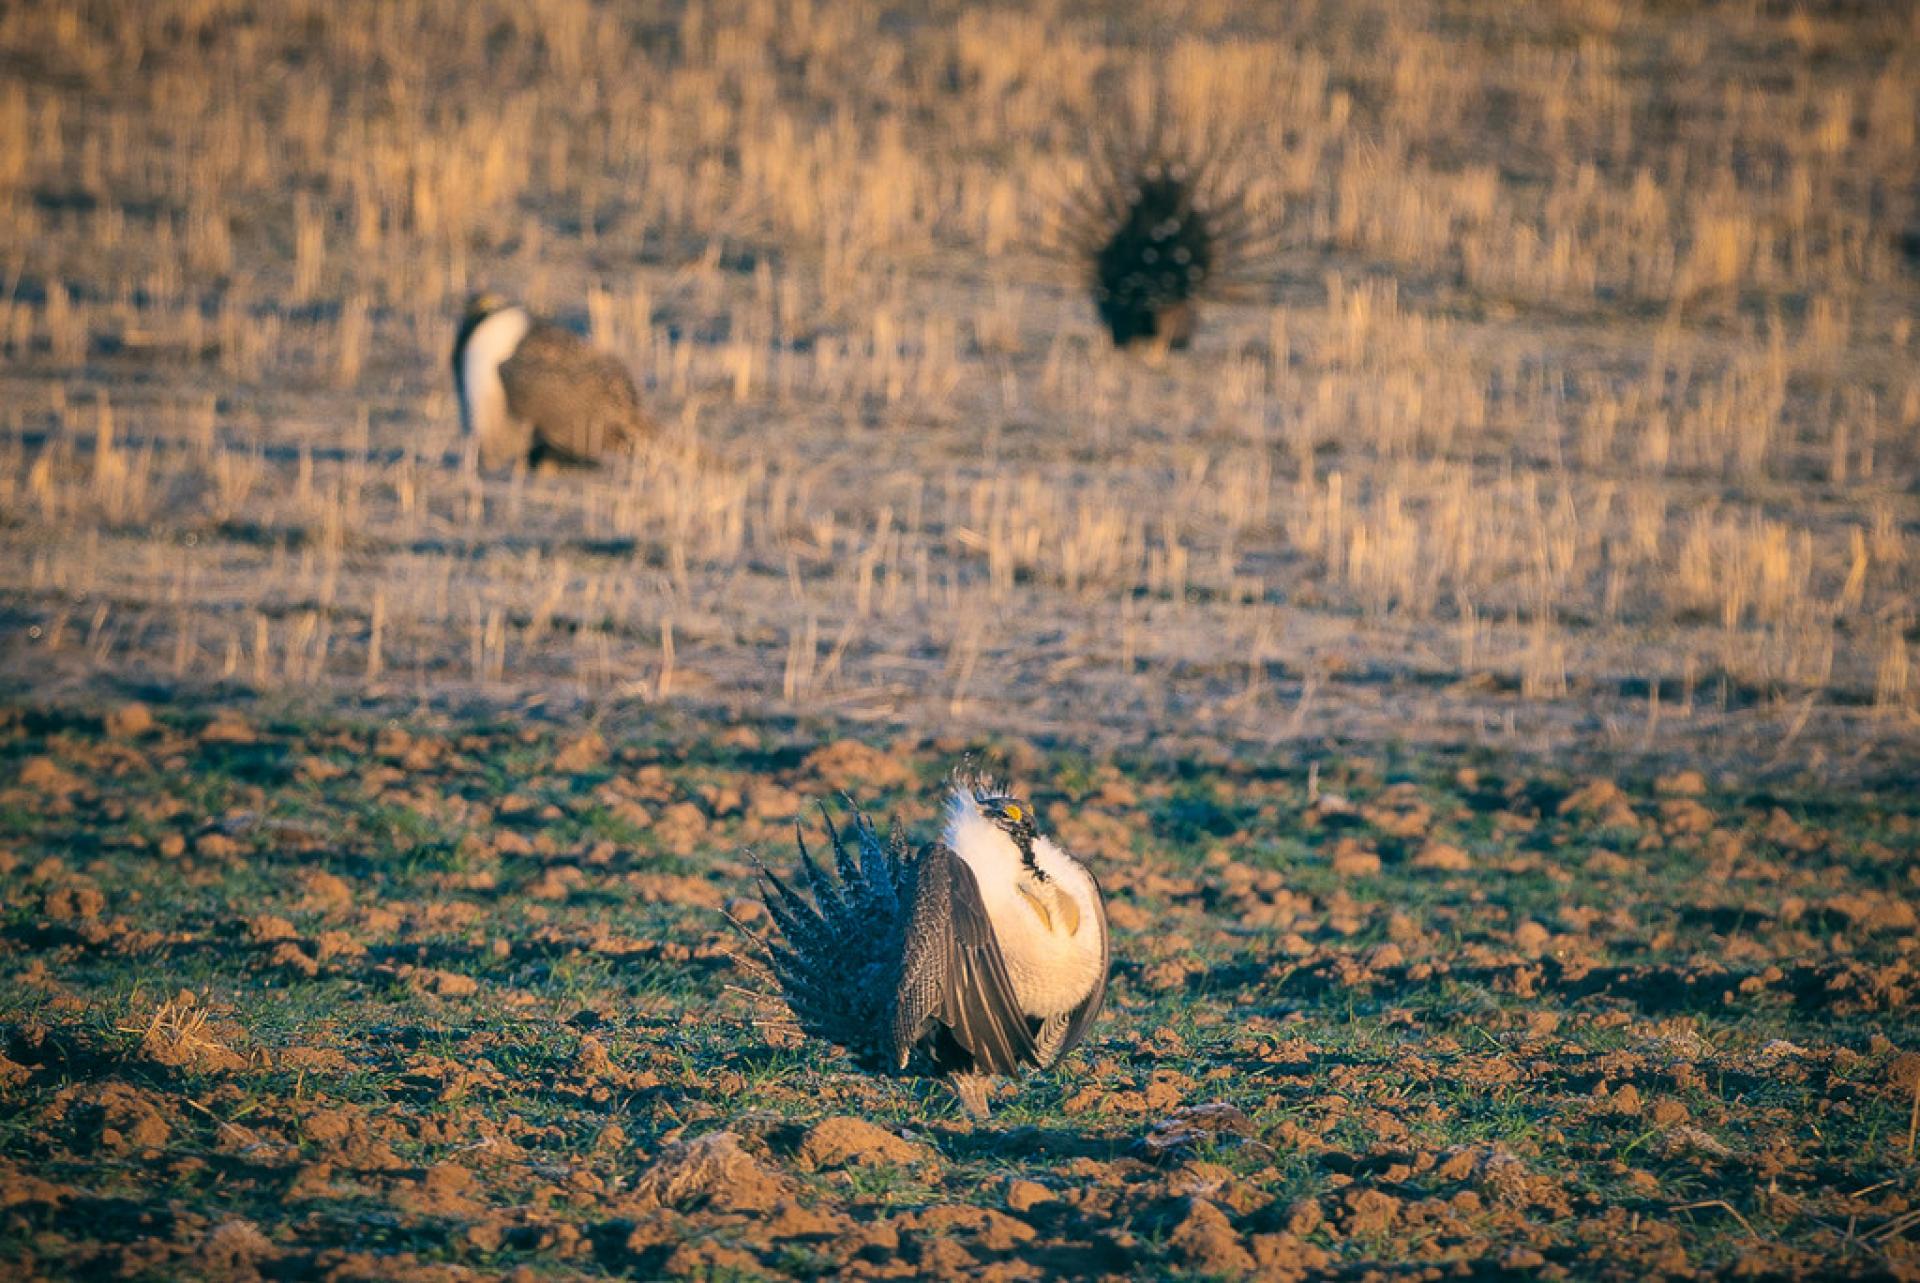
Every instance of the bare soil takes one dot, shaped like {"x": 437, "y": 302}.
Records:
{"x": 416, "y": 999}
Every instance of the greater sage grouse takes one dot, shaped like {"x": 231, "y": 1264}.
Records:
{"x": 533, "y": 390}
{"x": 1161, "y": 226}
{"x": 983, "y": 954}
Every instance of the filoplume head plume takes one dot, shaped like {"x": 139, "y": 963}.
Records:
{"x": 1166, "y": 219}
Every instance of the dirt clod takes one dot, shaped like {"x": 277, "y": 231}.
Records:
{"x": 1442, "y": 856}
{"x": 845, "y": 765}
{"x": 129, "y": 721}
{"x": 844, "y": 1141}
{"x": 1206, "y": 1239}
{"x": 713, "y": 1170}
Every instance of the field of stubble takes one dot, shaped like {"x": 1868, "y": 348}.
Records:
{"x": 1481, "y": 671}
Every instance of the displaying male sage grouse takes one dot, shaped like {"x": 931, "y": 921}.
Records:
{"x": 1161, "y": 226}
{"x": 983, "y": 954}
{"x": 533, "y": 390}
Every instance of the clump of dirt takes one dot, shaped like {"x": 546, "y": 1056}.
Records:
{"x": 712, "y": 1171}
{"x": 129, "y": 721}
{"x": 347, "y": 1136}
{"x": 1443, "y": 857}
{"x": 48, "y": 779}
{"x": 233, "y": 1250}
{"x": 73, "y": 900}
{"x": 1190, "y": 1128}
{"x": 842, "y": 1141}
{"x": 849, "y": 765}
{"x": 981, "y": 1229}
{"x": 1205, "y": 1239}
{"x": 115, "y": 1117}
{"x": 581, "y": 754}
{"x": 1353, "y": 858}
{"x": 183, "y": 1034}
{"x": 458, "y": 1010}
{"x": 228, "y": 726}
{"x": 445, "y": 1189}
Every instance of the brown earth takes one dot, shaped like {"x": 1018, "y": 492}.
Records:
{"x": 1551, "y": 1025}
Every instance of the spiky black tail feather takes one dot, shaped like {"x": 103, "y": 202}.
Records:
{"x": 840, "y": 939}
{"x": 1164, "y": 223}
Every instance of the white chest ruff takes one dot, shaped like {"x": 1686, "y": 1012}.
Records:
{"x": 483, "y": 397}
{"x": 1052, "y": 957}
{"x": 1052, "y": 971}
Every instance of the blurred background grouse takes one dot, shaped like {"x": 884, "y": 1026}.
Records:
{"x": 1162, "y": 225}
{"x": 530, "y": 389}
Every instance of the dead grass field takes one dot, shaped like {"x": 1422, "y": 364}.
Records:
{"x": 1582, "y": 407}
{"x": 1572, "y": 436}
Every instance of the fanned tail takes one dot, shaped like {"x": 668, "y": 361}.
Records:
{"x": 836, "y": 955}
{"x": 1166, "y": 218}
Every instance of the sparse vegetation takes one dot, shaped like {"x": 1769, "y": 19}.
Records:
{"x": 1583, "y": 387}
{"x": 1542, "y": 1005}
{"x": 1552, "y": 498}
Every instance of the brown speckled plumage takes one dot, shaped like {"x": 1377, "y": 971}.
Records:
{"x": 565, "y": 401}
{"x": 579, "y": 403}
